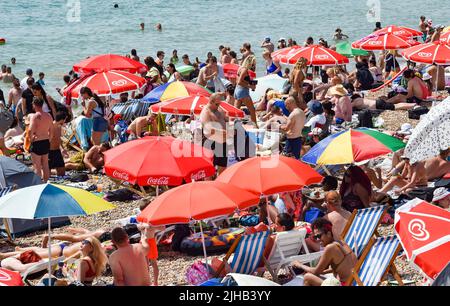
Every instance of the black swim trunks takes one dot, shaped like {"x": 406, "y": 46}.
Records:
{"x": 413, "y": 99}
{"x": 383, "y": 105}
{"x": 40, "y": 147}
{"x": 55, "y": 159}
{"x": 220, "y": 152}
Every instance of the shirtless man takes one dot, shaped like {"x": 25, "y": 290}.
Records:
{"x": 92, "y": 160}
{"x": 337, "y": 215}
{"x": 139, "y": 127}
{"x": 129, "y": 264}
{"x": 293, "y": 128}
{"x": 417, "y": 90}
{"x": 14, "y": 95}
{"x": 208, "y": 73}
{"x": 214, "y": 126}
{"x": 55, "y": 158}
{"x": 423, "y": 26}
{"x": 274, "y": 118}
{"x": 413, "y": 175}
{"x": 40, "y": 133}
{"x": 438, "y": 166}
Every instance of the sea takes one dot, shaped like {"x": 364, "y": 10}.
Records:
{"x": 52, "y": 35}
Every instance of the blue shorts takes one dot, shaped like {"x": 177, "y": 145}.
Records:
{"x": 293, "y": 146}
{"x": 241, "y": 92}
{"x": 100, "y": 125}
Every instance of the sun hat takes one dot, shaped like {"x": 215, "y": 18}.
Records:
{"x": 316, "y": 107}
{"x": 405, "y": 129}
{"x": 440, "y": 193}
{"x": 337, "y": 90}
{"x": 426, "y": 76}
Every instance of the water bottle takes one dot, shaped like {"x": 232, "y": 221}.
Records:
{"x": 59, "y": 271}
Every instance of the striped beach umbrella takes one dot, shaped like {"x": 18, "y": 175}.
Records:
{"x": 176, "y": 89}
{"x": 351, "y": 146}
{"x": 316, "y": 55}
{"x": 399, "y": 31}
{"x": 107, "y": 62}
{"x": 437, "y": 52}
{"x": 387, "y": 41}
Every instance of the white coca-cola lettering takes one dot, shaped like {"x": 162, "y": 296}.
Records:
{"x": 163, "y": 180}
{"x": 121, "y": 175}
{"x": 321, "y": 56}
{"x": 424, "y": 54}
{"x": 198, "y": 176}
{"x": 375, "y": 42}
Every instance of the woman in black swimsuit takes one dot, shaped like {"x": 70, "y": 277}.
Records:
{"x": 356, "y": 189}
{"x": 337, "y": 257}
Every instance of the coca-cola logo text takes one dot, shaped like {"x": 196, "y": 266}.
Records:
{"x": 198, "y": 176}
{"x": 121, "y": 175}
{"x": 321, "y": 56}
{"x": 424, "y": 54}
{"x": 163, "y": 180}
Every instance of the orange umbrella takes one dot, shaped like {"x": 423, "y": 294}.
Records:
{"x": 196, "y": 201}
{"x": 270, "y": 175}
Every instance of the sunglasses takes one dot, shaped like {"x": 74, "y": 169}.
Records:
{"x": 317, "y": 237}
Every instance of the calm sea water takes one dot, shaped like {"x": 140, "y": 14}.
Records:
{"x": 39, "y": 34}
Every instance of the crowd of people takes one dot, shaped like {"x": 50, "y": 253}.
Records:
{"x": 314, "y": 100}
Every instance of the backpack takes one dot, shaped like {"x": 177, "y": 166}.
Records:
{"x": 122, "y": 195}
{"x": 365, "y": 118}
{"x": 79, "y": 177}
{"x": 417, "y": 112}
{"x": 197, "y": 273}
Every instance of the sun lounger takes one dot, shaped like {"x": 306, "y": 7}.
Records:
{"x": 247, "y": 251}
{"x": 376, "y": 262}
{"x": 362, "y": 226}
{"x": 39, "y": 267}
{"x": 286, "y": 249}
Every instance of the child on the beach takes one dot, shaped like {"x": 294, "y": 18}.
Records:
{"x": 41, "y": 79}
{"x": 55, "y": 157}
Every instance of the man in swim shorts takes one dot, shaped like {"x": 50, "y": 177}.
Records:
{"x": 41, "y": 124}
{"x": 417, "y": 89}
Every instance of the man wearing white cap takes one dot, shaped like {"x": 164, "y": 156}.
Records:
{"x": 441, "y": 197}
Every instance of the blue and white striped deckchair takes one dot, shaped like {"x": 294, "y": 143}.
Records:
{"x": 4, "y": 191}
{"x": 361, "y": 226}
{"x": 132, "y": 109}
{"x": 376, "y": 261}
{"x": 249, "y": 252}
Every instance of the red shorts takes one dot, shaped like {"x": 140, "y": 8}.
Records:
{"x": 153, "y": 249}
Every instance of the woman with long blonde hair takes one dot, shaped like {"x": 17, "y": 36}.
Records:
{"x": 297, "y": 77}
{"x": 243, "y": 86}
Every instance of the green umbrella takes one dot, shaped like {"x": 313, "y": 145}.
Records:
{"x": 345, "y": 48}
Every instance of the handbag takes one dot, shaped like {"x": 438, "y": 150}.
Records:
{"x": 197, "y": 273}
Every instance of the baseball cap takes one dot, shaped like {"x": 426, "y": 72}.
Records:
{"x": 316, "y": 108}
{"x": 267, "y": 38}
{"x": 440, "y": 193}
{"x": 29, "y": 71}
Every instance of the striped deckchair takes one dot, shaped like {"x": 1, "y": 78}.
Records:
{"x": 4, "y": 191}
{"x": 132, "y": 109}
{"x": 361, "y": 226}
{"x": 248, "y": 252}
{"x": 376, "y": 261}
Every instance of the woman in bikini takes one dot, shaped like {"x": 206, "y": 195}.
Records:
{"x": 337, "y": 257}
{"x": 297, "y": 77}
{"x": 244, "y": 84}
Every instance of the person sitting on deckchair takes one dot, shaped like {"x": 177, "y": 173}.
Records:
{"x": 121, "y": 127}
{"x": 337, "y": 215}
{"x": 337, "y": 258}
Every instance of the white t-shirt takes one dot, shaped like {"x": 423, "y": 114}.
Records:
{"x": 23, "y": 83}
{"x": 317, "y": 119}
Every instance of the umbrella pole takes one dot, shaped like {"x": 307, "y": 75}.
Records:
{"x": 437, "y": 81}
{"x": 49, "y": 252}
{"x": 267, "y": 211}
{"x": 203, "y": 243}
{"x": 157, "y": 190}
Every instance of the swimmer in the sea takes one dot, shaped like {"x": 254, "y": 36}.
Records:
{"x": 158, "y": 27}
{"x": 116, "y": 5}
{"x": 142, "y": 26}
{"x": 13, "y": 60}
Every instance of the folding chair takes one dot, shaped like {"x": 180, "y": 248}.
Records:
{"x": 247, "y": 251}
{"x": 39, "y": 267}
{"x": 286, "y": 249}
{"x": 362, "y": 226}
{"x": 376, "y": 262}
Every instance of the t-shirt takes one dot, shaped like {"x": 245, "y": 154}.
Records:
{"x": 317, "y": 120}
{"x": 297, "y": 119}
{"x": 23, "y": 83}
{"x": 365, "y": 78}
{"x": 280, "y": 206}
{"x": 28, "y": 96}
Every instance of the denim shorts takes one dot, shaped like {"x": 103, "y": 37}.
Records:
{"x": 241, "y": 92}
{"x": 100, "y": 125}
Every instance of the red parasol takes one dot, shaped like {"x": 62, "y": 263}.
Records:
{"x": 230, "y": 71}
{"x": 10, "y": 278}
{"x": 192, "y": 105}
{"x": 437, "y": 52}
{"x": 107, "y": 62}
{"x": 155, "y": 160}
{"x": 399, "y": 31}
{"x": 388, "y": 41}
{"x": 424, "y": 231}
{"x": 316, "y": 55}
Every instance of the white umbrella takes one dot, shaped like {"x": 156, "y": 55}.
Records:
{"x": 269, "y": 81}
{"x": 431, "y": 135}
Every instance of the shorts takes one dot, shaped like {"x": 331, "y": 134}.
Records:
{"x": 153, "y": 249}
{"x": 40, "y": 147}
{"x": 78, "y": 159}
{"x": 220, "y": 152}
{"x": 293, "y": 146}
{"x": 383, "y": 105}
{"x": 414, "y": 99}
{"x": 241, "y": 92}
{"x": 55, "y": 159}
{"x": 100, "y": 125}
{"x": 106, "y": 236}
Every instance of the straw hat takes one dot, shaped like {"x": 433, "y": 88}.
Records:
{"x": 337, "y": 90}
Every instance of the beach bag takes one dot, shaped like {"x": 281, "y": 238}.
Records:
{"x": 6, "y": 120}
{"x": 79, "y": 177}
{"x": 312, "y": 214}
{"x": 121, "y": 195}
{"x": 417, "y": 112}
{"x": 197, "y": 273}
{"x": 249, "y": 220}
{"x": 365, "y": 119}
